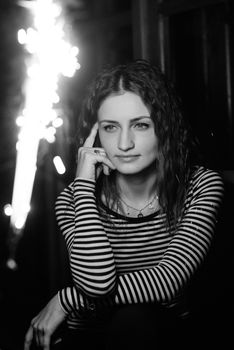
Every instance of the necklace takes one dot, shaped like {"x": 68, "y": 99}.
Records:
{"x": 140, "y": 214}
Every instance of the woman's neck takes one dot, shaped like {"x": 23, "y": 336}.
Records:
{"x": 137, "y": 187}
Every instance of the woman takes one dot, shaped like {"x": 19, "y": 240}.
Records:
{"x": 139, "y": 218}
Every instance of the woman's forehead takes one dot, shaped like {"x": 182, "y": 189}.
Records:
{"x": 126, "y": 104}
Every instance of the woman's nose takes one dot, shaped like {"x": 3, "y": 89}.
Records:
{"x": 126, "y": 140}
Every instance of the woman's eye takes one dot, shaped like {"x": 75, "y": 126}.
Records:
{"x": 141, "y": 126}
{"x": 109, "y": 128}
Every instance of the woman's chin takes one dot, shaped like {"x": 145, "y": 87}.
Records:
{"x": 136, "y": 169}
{"x": 128, "y": 170}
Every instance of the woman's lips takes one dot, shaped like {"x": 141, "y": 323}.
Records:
{"x": 127, "y": 158}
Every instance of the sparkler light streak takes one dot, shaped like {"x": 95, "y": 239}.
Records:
{"x": 58, "y": 163}
{"x": 50, "y": 56}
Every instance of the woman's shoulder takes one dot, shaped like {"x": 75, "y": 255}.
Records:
{"x": 79, "y": 184}
{"x": 204, "y": 183}
{"x": 68, "y": 189}
{"x": 201, "y": 174}
{"x": 65, "y": 195}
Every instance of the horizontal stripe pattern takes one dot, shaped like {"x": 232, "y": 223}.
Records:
{"x": 134, "y": 260}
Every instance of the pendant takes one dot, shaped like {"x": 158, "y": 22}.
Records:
{"x": 140, "y": 215}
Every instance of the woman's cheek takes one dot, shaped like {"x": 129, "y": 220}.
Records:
{"x": 108, "y": 151}
{"x": 108, "y": 148}
{"x": 105, "y": 141}
{"x": 102, "y": 139}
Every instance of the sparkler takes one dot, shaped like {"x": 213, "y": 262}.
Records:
{"x": 50, "y": 56}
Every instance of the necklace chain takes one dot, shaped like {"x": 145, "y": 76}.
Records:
{"x": 142, "y": 209}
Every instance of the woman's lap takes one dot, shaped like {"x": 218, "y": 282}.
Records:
{"x": 146, "y": 327}
{"x": 132, "y": 327}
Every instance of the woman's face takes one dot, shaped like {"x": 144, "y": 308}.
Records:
{"x": 126, "y": 132}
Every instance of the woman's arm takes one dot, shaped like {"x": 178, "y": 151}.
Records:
{"x": 91, "y": 256}
{"x": 185, "y": 253}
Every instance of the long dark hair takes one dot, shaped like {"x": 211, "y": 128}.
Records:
{"x": 173, "y": 132}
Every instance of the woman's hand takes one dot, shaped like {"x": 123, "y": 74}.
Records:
{"x": 44, "y": 324}
{"x": 91, "y": 160}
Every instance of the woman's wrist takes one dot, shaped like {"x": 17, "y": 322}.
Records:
{"x": 84, "y": 181}
{"x": 61, "y": 303}
{"x": 83, "y": 187}
{"x": 70, "y": 300}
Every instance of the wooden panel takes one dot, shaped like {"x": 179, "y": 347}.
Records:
{"x": 199, "y": 69}
{"x": 169, "y": 7}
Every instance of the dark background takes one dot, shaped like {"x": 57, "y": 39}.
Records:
{"x": 192, "y": 42}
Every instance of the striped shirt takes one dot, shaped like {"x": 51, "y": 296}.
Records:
{"x": 118, "y": 260}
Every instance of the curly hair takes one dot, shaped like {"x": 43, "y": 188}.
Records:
{"x": 172, "y": 131}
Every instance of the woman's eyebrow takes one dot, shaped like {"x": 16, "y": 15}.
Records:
{"x": 108, "y": 121}
{"x": 131, "y": 120}
{"x": 139, "y": 118}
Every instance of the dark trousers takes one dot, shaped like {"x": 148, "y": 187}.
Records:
{"x": 137, "y": 327}
{"x": 146, "y": 327}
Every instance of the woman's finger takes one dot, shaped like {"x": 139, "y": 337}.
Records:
{"x": 89, "y": 142}
{"x": 28, "y": 338}
{"x": 42, "y": 337}
{"x": 106, "y": 169}
{"x": 105, "y": 161}
{"x": 37, "y": 335}
{"x": 46, "y": 342}
{"x": 88, "y": 162}
{"x": 98, "y": 150}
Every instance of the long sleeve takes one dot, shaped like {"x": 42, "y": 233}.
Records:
{"x": 91, "y": 257}
{"x": 71, "y": 300}
{"x": 185, "y": 253}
